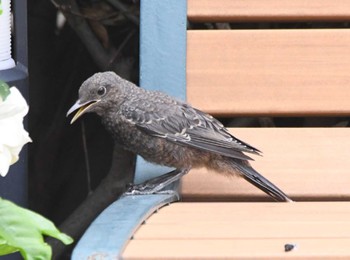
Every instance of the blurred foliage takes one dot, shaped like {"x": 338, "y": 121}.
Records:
{"x": 4, "y": 91}
{"x": 23, "y": 230}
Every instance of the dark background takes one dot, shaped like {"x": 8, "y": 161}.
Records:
{"x": 58, "y": 64}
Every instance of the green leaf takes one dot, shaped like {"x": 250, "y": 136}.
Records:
{"x": 4, "y": 90}
{"x": 22, "y": 230}
{"x": 6, "y": 249}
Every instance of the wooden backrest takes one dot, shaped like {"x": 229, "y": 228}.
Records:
{"x": 275, "y": 72}
{"x": 264, "y": 71}
{"x": 267, "y": 10}
{"x": 269, "y": 72}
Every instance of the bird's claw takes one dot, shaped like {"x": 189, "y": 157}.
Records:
{"x": 135, "y": 191}
{"x": 156, "y": 185}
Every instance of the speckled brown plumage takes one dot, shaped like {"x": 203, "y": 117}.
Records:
{"x": 166, "y": 131}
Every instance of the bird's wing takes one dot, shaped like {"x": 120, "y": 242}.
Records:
{"x": 182, "y": 124}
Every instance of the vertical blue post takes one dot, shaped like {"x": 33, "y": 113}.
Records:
{"x": 162, "y": 58}
{"x": 14, "y": 185}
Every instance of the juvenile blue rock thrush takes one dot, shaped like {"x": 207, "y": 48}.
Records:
{"x": 167, "y": 131}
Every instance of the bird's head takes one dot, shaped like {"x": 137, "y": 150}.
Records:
{"x": 96, "y": 94}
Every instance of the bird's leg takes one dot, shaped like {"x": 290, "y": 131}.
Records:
{"x": 156, "y": 184}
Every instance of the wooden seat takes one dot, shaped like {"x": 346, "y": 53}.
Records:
{"x": 255, "y": 72}
{"x": 244, "y": 231}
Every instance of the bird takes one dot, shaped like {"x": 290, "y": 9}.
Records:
{"x": 167, "y": 131}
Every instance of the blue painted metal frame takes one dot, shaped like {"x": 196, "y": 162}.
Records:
{"x": 162, "y": 67}
{"x": 163, "y": 59}
{"x": 108, "y": 235}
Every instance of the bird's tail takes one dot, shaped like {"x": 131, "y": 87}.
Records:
{"x": 262, "y": 183}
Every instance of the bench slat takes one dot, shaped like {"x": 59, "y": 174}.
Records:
{"x": 235, "y": 230}
{"x": 278, "y": 72}
{"x": 268, "y": 10}
{"x": 246, "y": 230}
{"x": 237, "y": 249}
{"x": 306, "y": 163}
{"x": 301, "y": 211}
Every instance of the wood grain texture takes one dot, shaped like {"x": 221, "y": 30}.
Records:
{"x": 237, "y": 249}
{"x": 306, "y": 163}
{"x": 224, "y": 212}
{"x": 268, "y": 10}
{"x": 244, "y": 231}
{"x": 279, "y": 72}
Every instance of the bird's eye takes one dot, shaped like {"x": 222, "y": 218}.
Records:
{"x": 101, "y": 91}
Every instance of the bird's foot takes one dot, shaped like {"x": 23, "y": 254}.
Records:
{"x": 135, "y": 191}
{"x": 156, "y": 185}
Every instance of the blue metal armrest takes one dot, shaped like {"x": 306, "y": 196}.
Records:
{"x": 108, "y": 235}
{"x": 162, "y": 67}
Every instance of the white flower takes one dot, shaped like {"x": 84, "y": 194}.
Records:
{"x": 12, "y": 133}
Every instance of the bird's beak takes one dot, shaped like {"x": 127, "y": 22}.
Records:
{"x": 83, "y": 107}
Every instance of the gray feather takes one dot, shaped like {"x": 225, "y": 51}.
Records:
{"x": 178, "y": 122}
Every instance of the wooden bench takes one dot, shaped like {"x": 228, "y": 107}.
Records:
{"x": 250, "y": 72}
